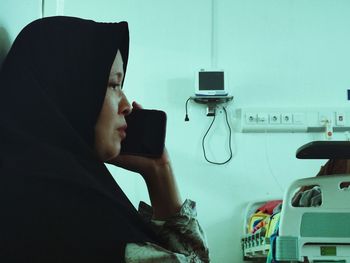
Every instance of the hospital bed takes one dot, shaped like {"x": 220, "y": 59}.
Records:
{"x": 319, "y": 234}
{"x": 306, "y": 234}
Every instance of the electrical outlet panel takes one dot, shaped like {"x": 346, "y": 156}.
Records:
{"x": 294, "y": 119}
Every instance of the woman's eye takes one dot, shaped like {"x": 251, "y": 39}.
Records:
{"x": 115, "y": 86}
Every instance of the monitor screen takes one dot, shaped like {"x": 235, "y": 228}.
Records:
{"x": 211, "y": 80}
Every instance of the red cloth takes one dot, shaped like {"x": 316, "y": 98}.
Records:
{"x": 269, "y": 206}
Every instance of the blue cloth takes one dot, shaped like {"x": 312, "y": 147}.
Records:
{"x": 271, "y": 257}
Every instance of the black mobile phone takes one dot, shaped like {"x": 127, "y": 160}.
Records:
{"x": 145, "y": 134}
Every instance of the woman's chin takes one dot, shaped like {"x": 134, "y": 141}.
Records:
{"x": 114, "y": 152}
{"x": 108, "y": 151}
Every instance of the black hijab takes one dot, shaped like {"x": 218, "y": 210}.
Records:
{"x": 58, "y": 202}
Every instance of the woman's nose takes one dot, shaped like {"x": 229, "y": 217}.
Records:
{"x": 124, "y": 106}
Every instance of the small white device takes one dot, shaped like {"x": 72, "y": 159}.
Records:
{"x": 210, "y": 83}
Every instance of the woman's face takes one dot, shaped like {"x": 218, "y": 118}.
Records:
{"x": 110, "y": 126}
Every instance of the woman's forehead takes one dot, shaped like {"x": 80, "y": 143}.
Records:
{"x": 117, "y": 66}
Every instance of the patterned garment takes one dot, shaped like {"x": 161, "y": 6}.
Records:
{"x": 183, "y": 238}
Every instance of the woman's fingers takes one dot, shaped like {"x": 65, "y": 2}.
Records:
{"x": 136, "y": 105}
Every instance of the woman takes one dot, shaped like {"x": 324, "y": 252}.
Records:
{"x": 62, "y": 115}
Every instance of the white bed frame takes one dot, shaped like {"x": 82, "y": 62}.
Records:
{"x": 322, "y": 234}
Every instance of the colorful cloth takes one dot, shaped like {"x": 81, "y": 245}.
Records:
{"x": 182, "y": 237}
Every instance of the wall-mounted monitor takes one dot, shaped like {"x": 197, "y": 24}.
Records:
{"x": 210, "y": 83}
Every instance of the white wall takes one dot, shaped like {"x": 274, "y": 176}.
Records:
{"x": 277, "y": 53}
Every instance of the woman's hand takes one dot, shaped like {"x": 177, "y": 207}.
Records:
{"x": 139, "y": 164}
{"x": 159, "y": 177}
{"x": 143, "y": 165}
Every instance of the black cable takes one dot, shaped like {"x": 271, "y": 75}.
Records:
{"x": 186, "y": 117}
{"x": 203, "y": 140}
{"x": 211, "y": 124}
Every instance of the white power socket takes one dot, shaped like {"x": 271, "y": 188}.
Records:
{"x": 251, "y": 118}
{"x": 275, "y": 118}
{"x": 287, "y": 118}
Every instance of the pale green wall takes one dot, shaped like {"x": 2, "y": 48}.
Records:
{"x": 277, "y": 53}
{"x": 286, "y": 51}
{"x": 14, "y": 15}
